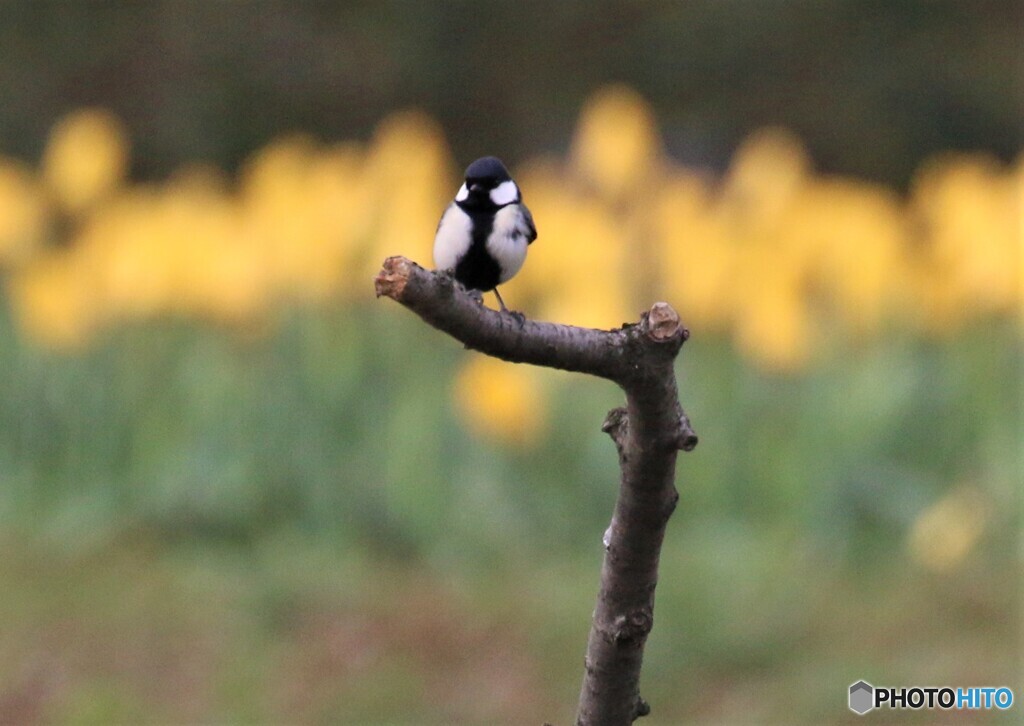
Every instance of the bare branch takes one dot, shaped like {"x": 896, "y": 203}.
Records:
{"x": 648, "y": 433}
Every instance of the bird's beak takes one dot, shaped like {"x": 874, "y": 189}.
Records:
{"x": 474, "y": 187}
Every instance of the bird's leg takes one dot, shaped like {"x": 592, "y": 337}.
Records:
{"x": 500, "y": 301}
{"x": 520, "y": 318}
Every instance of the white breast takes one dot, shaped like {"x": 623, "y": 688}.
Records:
{"x": 454, "y": 235}
{"x": 507, "y": 241}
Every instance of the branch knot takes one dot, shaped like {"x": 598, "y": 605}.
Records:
{"x": 686, "y": 437}
{"x": 642, "y": 708}
{"x": 633, "y": 627}
{"x": 616, "y": 425}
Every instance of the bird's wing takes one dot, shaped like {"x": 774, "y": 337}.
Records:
{"x": 531, "y": 228}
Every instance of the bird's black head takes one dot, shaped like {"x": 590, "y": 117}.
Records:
{"x": 488, "y": 185}
{"x": 487, "y": 171}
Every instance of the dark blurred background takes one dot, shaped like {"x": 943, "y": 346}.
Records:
{"x": 236, "y": 488}
{"x": 871, "y": 87}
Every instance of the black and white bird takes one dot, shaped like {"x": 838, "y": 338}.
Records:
{"x": 484, "y": 233}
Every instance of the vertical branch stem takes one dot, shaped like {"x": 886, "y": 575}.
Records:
{"x": 647, "y": 433}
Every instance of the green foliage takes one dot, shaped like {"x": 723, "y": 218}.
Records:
{"x": 340, "y": 425}
{"x": 306, "y": 513}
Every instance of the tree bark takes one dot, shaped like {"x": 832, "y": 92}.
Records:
{"x": 648, "y": 432}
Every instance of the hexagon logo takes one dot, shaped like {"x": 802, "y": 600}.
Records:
{"x": 862, "y": 697}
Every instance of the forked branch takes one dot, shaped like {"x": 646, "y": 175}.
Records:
{"x": 648, "y": 433}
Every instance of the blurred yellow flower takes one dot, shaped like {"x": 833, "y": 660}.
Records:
{"x": 85, "y": 159}
{"x": 586, "y": 268}
{"x": 774, "y": 327}
{"x": 280, "y": 221}
{"x": 210, "y": 268}
{"x": 122, "y": 249}
{"x": 970, "y": 210}
{"x": 410, "y": 180}
{"x": 53, "y": 302}
{"x": 850, "y": 235}
{"x": 617, "y": 149}
{"x": 501, "y": 401}
{"x": 23, "y": 212}
{"x": 772, "y": 253}
{"x": 698, "y": 259}
{"x": 944, "y": 534}
{"x": 577, "y": 271}
{"x": 338, "y": 199}
{"x": 767, "y": 171}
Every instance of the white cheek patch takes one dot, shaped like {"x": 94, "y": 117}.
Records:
{"x": 505, "y": 193}
{"x": 463, "y": 194}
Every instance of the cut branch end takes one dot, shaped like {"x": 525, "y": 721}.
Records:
{"x": 393, "y": 277}
{"x": 663, "y": 323}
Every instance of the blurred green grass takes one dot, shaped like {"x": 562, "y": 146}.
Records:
{"x": 294, "y": 526}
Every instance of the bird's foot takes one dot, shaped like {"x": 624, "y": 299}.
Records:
{"x": 518, "y": 316}
{"x": 477, "y": 296}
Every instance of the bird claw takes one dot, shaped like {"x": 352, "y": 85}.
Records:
{"x": 477, "y": 296}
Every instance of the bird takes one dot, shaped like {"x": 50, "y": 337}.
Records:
{"x": 483, "y": 234}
